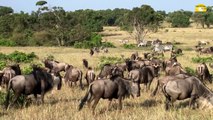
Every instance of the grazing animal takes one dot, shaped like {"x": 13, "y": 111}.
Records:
{"x": 73, "y": 75}
{"x": 90, "y": 74}
{"x": 55, "y": 66}
{"x": 144, "y": 75}
{"x": 134, "y": 56}
{"x": 114, "y": 88}
{"x": 38, "y": 82}
{"x": 165, "y": 79}
{"x": 180, "y": 89}
{"x": 10, "y": 72}
{"x": 91, "y": 52}
{"x": 107, "y": 70}
{"x": 203, "y": 73}
{"x": 175, "y": 69}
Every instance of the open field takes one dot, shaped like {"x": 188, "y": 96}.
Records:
{"x": 62, "y": 105}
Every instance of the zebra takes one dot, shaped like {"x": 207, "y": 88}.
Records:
{"x": 159, "y": 47}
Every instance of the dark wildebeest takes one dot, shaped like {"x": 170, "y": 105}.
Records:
{"x": 90, "y": 74}
{"x": 38, "y": 82}
{"x": 134, "y": 64}
{"x": 175, "y": 69}
{"x": 144, "y": 75}
{"x": 190, "y": 87}
{"x": 116, "y": 87}
{"x": 10, "y": 72}
{"x": 55, "y": 66}
{"x": 168, "y": 63}
{"x": 165, "y": 79}
{"x": 73, "y": 75}
{"x": 208, "y": 50}
{"x": 134, "y": 56}
{"x": 203, "y": 73}
{"x": 107, "y": 70}
{"x": 91, "y": 52}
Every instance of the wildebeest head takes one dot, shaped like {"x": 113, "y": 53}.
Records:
{"x": 116, "y": 71}
{"x": 156, "y": 64}
{"x": 203, "y": 72}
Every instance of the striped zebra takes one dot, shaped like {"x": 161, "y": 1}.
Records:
{"x": 158, "y": 48}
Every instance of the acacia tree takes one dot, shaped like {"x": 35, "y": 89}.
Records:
{"x": 204, "y": 18}
{"x": 57, "y": 23}
{"x": 144, "y": 20}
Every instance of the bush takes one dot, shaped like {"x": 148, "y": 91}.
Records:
{"x": 19, "y": 39}
{"x": 202, "y": 59}
{"x": 94, "y": 41}
{"x": 129, "y": 46}
{"x": 18, "y": 57}
{"x": 190, "y": 71}
{"x": 8, "y": 43}
{"x": 2, "y": 64}
{"x": 109, "y": 60}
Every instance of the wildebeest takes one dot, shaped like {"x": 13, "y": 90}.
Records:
{"x": 107, "y": 70}
{"x": 134, "y": 56}
{"x": 55, "y": 66}
{"x": 175, "y": 69}
{"x": 116, "y": 87}
{"x": 165, "y": 79}
{"x": 73, "y": 75}
{"x": 203, "y": 73}
{"x": 180, "y": 89}
{"x": 91, "y": 52}
{"x": 208, "y": 50}
{"x": 90, "y": 74}
{"x": 144, "y": 75}
{"x": 9, "y": 72}
{"x": 38, "y": 82}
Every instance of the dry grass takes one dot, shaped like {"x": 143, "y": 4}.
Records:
{"x": 63, "y": 104}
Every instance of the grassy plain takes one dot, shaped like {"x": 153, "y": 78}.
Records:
{"x": 63, "y": 104}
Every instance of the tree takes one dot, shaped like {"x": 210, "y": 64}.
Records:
{"x": 5, "y": 10}
{"x": 179, "y": 19}
{"x": 144, "y": 20}
{"x": 204, "y": 18}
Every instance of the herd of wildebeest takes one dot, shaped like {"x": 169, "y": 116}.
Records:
{"x": 115, "y": 81}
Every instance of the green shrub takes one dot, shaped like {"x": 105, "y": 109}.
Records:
{"x": 2, "y": 64}
{"x": 129, "y": 46}
{"x": 202, "y": 59}
{"x": 108, "y": 60}
{"x": 18, "y": 57}
{"x": 7, "y": 43}
{"x": 94, "y": 41}
{"x": 190, "y": 71}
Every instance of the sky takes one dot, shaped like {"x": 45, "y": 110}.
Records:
{"x": 72, "y": 5}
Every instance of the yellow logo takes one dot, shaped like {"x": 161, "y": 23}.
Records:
{"x": 200, "y": 8}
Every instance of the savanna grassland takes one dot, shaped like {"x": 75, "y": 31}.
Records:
{"x": 63, "y": 104}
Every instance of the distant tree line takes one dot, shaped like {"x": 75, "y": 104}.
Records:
{"x": 56, "y": 27}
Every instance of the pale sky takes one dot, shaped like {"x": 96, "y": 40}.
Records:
{"x": 71, "y": 5}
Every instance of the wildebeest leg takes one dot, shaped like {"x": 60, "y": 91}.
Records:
{"x": 94, "y": 104}
{"x": 120, "y": 103}
{"x": 192, "y": 102}
{"x": 109, "y": 104}
{"x": 15, "y": 99}
{"x": 167, "y": 103}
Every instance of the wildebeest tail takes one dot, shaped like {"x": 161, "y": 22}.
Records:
{"x": 86, "y": 97}
{"x": 8, "y": 94}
